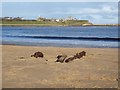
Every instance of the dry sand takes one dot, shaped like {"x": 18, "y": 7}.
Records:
{"x": 99, "y": 68}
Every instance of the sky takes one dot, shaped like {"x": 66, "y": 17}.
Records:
{"x": 95, "y": 12}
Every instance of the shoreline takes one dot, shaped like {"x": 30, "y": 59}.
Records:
{"x": 59, "y": 46}
{"x": 20, "y": 70}
{"x": 49, "y": 25}
{"x": 14, "y": 45}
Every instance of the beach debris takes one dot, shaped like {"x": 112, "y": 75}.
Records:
{"x": 38, "y": 54}
{"x": 69, "y": 59}
{"x": 61, "y": 58}
{"x": 118, "y": 79}
{"x": 77, "y": 56}
{"x": 81, "y": 54}
{"x": 21, "y": 57}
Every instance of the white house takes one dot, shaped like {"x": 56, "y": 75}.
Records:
{"x": 57, "y": 20}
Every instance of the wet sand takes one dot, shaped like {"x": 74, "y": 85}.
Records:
{"x": 98, "y": 69}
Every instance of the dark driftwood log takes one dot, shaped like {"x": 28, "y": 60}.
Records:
{"x": 69, "y": 59}
{"x": 81, "y": 54}
{"x": 38, "y": 54}
{"x": 78, "y": 55}
{"x": 61, "y": 58}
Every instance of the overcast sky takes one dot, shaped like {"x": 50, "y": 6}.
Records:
{"x": 96, "y": 12}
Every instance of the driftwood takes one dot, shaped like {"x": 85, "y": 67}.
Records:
{"x": 81, "y": 54}
{"x": 69, "y": 59}
{"x": 38, "y": 54}
{"x": 61, "y": 58}
{"x": 78, "y": 55}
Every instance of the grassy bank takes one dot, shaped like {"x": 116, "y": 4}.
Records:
{"x": 43, "y": 23}
{"x": 51, "y": 23}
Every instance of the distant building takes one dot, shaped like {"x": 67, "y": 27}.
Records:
{"x": 18, "y": 18}
{"x": 40, "y": 19}
{"x": 57, "y": 20}
{"x": 11, "y": 18}
{"x": 43, "y": 19}
{"x": 7, "y": 18}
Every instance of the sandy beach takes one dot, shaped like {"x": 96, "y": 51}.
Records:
{"x": 98, "y": 69}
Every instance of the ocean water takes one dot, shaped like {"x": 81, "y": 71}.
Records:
{"x": 91, "y": 36}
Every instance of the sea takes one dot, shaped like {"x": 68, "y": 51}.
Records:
{"x": 58, "y": 36}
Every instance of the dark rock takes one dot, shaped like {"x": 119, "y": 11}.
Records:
{"x": 78, "y": 55}
{"x": 61, "y": 58}
{"x": 38, "y": 54}
{"x": 69, "y": 59}
{"x": 81, "y": 54}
